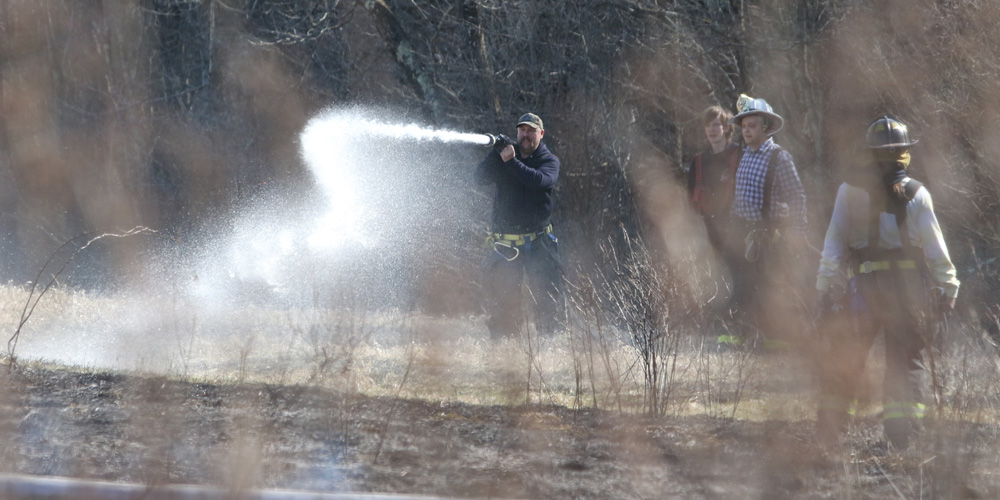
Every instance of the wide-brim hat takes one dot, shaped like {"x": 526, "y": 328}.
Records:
{"x": 746, "y": 106}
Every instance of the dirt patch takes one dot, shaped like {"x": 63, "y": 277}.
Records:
{"x": 159, "y": 431}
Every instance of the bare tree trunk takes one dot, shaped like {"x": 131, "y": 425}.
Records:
{"x": 484, "y": 54}
{"x": 406, "y": 54}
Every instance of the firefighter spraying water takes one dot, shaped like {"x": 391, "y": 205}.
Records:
{"x": 522, "y": 245}
{"x": 521, "y": 172}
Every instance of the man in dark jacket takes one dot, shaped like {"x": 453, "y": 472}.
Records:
{"x": 522, "y": 242}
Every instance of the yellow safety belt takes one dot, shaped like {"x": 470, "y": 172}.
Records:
{"x": 870, "y": 266}
{"x": 506, "y": 244}
{"x": 520, "y": 239}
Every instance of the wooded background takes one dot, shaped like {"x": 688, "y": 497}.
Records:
{"x": 161, "y": 113}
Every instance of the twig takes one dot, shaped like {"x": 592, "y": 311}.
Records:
{"x": 32, "y": 302}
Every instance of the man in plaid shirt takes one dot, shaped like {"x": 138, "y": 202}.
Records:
{"x": 769, "y": 218}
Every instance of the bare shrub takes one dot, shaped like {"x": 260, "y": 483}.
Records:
{"x": 638, "y": 296}
{"x": 333, "y": 337}
{"x": 722, "y": 377}
{"x": 592, "y": 340}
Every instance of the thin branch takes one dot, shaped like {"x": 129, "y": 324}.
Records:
{"x": 32, "y": 302}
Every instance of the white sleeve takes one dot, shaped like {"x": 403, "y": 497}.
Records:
{"x": 926, "y": 232}
{"x": 835, "y": 243}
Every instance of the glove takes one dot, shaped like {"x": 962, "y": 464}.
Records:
{"x": 501, "y": 141}
{"x": 831, "y": 301}
{"x": 943, "y": 303}
{"x": 498, "y": 141}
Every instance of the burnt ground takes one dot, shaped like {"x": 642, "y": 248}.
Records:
{"x": 158, "y": 431}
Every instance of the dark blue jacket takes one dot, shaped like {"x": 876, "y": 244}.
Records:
{"x": 525, "y": 194}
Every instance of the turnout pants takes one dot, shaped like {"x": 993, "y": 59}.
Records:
{"x": 893, "y": 302}
{"x": 536, "y": 264}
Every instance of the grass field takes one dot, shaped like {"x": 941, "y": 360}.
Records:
{"x": 755, "y": 399}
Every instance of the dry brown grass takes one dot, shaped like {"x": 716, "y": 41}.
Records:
{"x": 391, "y": 362}
{"x": 442, "y": 359}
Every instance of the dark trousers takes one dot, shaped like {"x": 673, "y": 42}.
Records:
{"x": 539, "y": 262}
{"x": 716, "y": 227}
{"x": 770, "y": 294}
{"x": 895, "y": 303}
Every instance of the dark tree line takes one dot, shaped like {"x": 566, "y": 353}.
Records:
{"x": 157, "y": 112}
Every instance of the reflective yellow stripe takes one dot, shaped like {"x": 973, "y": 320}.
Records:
{"x": 833, "y": 402}
{"x": 729, "y": 340}
{"x": 871, "y": 266}
{"x": 903, "y": 410}
{"x": 777, "y": 345}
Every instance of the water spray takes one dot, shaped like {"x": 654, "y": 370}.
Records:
{"x": 337, "y": 126}
{"x": 378, "y": 186}
{"x": 333, "y": 126}
{"x": 383, "y": 191}
{"x": 334, "y": 142}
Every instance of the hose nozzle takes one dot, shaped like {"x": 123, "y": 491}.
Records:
{"x": 498, "y": 141}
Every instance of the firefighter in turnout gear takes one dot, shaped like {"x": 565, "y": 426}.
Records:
{"x": 885, "y": 239}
